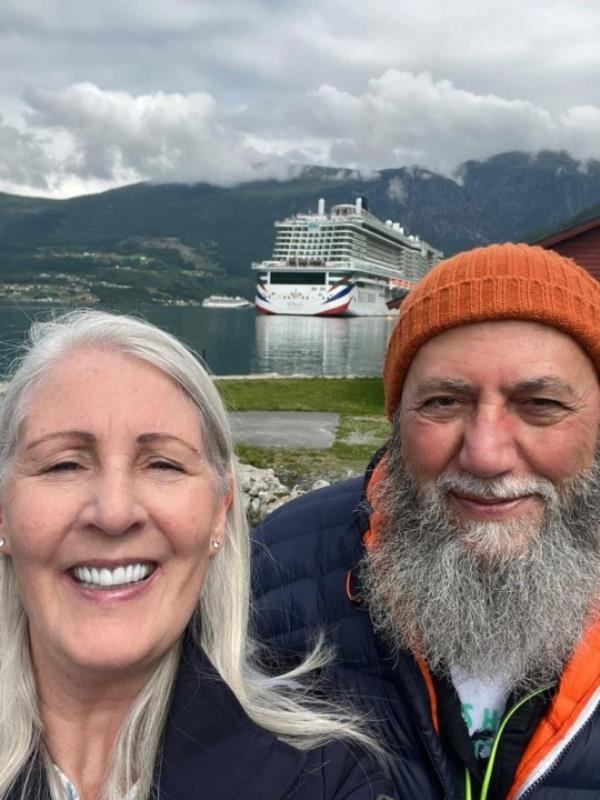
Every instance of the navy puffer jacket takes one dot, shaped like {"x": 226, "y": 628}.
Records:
{"x": 305, "y": 553}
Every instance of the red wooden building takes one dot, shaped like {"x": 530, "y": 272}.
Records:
{"x": 580, "y": 242}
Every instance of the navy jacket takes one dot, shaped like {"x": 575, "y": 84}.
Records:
{"x": 213, "y": 751}
{"x": 305, "y": 554}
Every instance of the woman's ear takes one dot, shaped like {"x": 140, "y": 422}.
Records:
{"x": 4, "y": 545}
{"x": 220, "y": 518}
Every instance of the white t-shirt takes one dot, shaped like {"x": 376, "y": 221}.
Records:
{"x": 483, "y": 704}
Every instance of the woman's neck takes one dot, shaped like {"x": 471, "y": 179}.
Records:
{"x": 82, "y": 718}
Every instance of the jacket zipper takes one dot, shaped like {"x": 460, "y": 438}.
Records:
{"x": 555, "y": 756}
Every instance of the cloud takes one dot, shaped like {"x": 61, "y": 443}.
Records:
{"x": 99, "y": 93}
{"x": 163, "y": 137}
{"x": 401, "y": 119}
{"x": 24, "y": 162}
{"x": 405, "y": 119}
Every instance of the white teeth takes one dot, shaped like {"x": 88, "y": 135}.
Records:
{"x": 120, "y": 576}
{"x": 105, "y": 577}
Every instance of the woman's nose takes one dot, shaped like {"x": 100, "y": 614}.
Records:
{"x": 113, "y": 505}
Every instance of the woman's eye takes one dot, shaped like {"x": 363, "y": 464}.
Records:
{"x": 63, "y": 466}
{"x": 165, "y": 465}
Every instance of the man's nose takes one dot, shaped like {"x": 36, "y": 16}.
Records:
{"x": 113, "y": 506}
{"x": 489, "y": 447}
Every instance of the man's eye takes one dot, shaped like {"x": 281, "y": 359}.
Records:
{"x": 440, "y": 402}
{"x": 544, "y": 404}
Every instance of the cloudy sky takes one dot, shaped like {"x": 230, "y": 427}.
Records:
{"x": 99, "y": 93}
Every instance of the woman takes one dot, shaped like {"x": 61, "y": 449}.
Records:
{"x": 124, "y": 654}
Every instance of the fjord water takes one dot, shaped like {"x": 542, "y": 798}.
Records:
{"x": 238, "y": 342}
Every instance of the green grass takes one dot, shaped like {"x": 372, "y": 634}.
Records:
{"x": 356, "y": 440}
{"x": 362, "y": 430}
{"x": 357, "y": 396}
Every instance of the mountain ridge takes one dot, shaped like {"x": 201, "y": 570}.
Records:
{"x": 180, "y": 242}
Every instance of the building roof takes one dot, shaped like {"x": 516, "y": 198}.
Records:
{"x": 569, "y": 233}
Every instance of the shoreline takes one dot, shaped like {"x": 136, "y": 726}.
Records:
{"x": 269, "y": 376}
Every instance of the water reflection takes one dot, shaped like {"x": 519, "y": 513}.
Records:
{"x": 321, "y": 346}
{"x": 238, "y": 342}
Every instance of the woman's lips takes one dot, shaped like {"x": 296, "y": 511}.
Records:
{"x": 106, "y": 594}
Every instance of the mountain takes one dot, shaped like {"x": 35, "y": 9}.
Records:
{"x": 587, "y": 215}
{"x": 174, "y": 242}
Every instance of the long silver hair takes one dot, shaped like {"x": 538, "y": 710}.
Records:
{"x": 223, "y": 607}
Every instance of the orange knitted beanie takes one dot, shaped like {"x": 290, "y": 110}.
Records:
{"x": 502, "y": 281}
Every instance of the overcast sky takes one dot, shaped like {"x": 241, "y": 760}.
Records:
{"x": 99, "y": 93}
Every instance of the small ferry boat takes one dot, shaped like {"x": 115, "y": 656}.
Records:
{"x": 343, "y": 263}
{"x": 223, "y": 301}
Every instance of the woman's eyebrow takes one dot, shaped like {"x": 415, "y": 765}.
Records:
{"x": 151, "y": 438}
{"x": 89, "y": 438}
{"x": 84, "y": 436}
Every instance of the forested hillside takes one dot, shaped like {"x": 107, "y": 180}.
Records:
{"x": 178, "y": 243}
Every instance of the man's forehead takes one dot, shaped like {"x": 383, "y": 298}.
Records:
{"x": 515, "y": 353}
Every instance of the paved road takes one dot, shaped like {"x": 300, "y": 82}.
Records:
{"x": 284, "y": 428}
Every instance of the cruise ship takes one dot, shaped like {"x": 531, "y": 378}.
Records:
{"x": 342, "y": 263}
{"x": 224, "y": 301}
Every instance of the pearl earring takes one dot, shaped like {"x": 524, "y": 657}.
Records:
{"x": 2, "y": 542}
{"x": 215, "y": 544}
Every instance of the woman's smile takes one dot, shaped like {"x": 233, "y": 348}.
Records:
{"x": 102, "y": 583}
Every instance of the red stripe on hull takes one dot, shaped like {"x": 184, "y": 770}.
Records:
{"x": 260, "y": 310}
{"x": 334, "y": 311}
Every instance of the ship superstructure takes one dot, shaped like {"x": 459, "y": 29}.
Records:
{"x": 342, "y": 263}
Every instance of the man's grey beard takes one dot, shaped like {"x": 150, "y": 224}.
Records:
{"x": 455, "y": 594}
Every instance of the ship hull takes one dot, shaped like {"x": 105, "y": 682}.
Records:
{"x": 349, "y": 301}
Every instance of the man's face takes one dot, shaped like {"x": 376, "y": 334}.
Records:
{"x": 487, "y": 555}
{"x": 512, "y": 402}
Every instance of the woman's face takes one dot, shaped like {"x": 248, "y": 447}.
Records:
{"x": 109, "y": 514}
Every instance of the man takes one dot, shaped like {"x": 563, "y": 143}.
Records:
{"x": 460, "y": 583}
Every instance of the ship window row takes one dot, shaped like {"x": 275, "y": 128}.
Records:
{"x": 279, "y": 252}
{"x": 375, "y": 246}
{"x": 308, "y": 242}
{"x": 314, "y": 240}
{"x": 392, "y": 259}
{"x": 318, "y": 245}
{"x": 370, "y": 254}
{"x": 317, "y": 278}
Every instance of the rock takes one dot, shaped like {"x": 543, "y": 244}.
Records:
{"x": 320, "y": 484}
{"x": 264, "y": 492}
